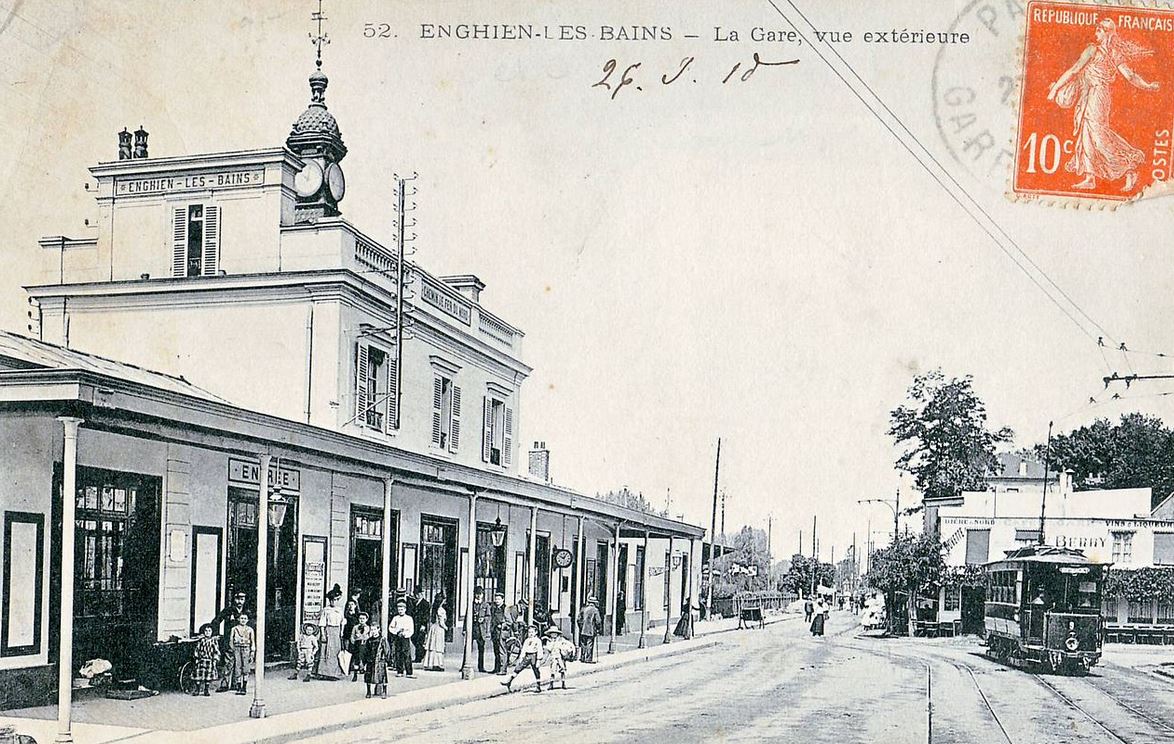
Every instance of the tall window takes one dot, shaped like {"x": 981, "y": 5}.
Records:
{"x": 1122, "y": 547}
{"x": 195, "y": 252}
{"x": 446, "y": 413}
{"x": 952, "y": 601}
{"x": 489, "y": 568}
{"x": 499, "y": 432}
{"x": 375, "y": 380}
{"x": 195, "y": 242}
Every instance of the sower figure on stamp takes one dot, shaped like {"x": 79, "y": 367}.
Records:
{"x": 1100, "y": 152}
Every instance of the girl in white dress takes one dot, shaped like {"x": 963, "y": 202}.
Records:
{"x": 434, "y": 641}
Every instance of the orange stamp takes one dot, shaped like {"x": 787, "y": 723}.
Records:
{"x": 1096, "y": 106}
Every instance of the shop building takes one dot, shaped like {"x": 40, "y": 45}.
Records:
{"x": 227, "y": 362}
{"x": 1114, "y": 526}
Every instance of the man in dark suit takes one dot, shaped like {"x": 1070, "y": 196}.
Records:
{"x": 481, "y": 625}
{"x": 423, "y": 616}
{"x": 496, "y": 620}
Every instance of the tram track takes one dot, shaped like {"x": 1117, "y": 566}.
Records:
{"x": 1117, "y": 733}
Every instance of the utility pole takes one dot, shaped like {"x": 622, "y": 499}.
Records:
{"x": 712, "y": 528}
{"x": 800, "y": 542}
{"x": 769, "y": 561}
{"x": 723, "y": 519}
{"x": 897, "y": 517}
{"x": 1043, "y": 502}
{"x": 814, "y": 559}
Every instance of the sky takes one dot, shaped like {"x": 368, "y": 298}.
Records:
{"x": 758, "y": 260}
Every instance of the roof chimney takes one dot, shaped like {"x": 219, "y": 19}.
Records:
{"x": 540, "y": 462}
{"x": 124, "y": 145}
{"x": 467, "y": 284}
{"x": 140, "y": 142}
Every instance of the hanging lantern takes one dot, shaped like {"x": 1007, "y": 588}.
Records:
{"x": 278, "y": 505}
{"x": 497, "y": 534}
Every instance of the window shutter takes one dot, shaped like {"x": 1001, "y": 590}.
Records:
{"x": 978, "y": 547}
{"x": 392, "y": 392}
{"x": 507, "y": 443}
{"x": 179, "y": 241}
{"x": 487, "y": 434}
{"x": 361, "y": 383}
{"x": 454, "y": 429}
{"x": 211, "y": 241}
{"x": 437, "y": 395}
{"x": 1163, "y": 548}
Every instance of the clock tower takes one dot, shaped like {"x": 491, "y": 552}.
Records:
{"x": 315, "y": 136}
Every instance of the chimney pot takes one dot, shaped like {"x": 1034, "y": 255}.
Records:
{"x": 140, "y": 142}
{"x": 124, "y": 151}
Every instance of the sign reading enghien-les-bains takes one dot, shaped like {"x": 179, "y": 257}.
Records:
{"x": 195, "y": 182}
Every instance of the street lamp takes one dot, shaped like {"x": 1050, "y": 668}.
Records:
{"x": 497, "y": 533}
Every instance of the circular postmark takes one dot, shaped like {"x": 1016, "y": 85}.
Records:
{"x": 976, "y": 90}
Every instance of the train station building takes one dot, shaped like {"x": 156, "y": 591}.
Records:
{"x": 223, "y": 361}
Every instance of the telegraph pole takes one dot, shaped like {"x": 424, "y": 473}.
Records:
{"x": 1043, "y": 502}
{"x": 712, "y": 528}
{"x": 814, "y": 558}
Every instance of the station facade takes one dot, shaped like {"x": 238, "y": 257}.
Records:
{"x": 223, "y": 330}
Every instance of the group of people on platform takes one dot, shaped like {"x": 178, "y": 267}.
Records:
{"x": 346, "y": 641}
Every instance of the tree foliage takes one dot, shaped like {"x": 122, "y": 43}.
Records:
{"x": 1141, "y": 584}
{"x": 798, "y": 578}
{"x": 912, "y": 565}
{"x": 1136, "y": 452}
{"x": 632, "y": 500}
{"x": 943, "y": 428}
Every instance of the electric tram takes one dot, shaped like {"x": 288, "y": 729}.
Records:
{"x": 1043, "y": 609}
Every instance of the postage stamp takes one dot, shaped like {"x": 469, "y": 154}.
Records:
{"x": 1096, "y": 107}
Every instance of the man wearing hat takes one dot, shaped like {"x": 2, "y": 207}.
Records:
{"x": 590, "y": 624}
{"x": 496, "y": 620}
{"x": 222, "y": 624}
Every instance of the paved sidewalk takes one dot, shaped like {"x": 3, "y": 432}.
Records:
{"x": 297, "y": 709}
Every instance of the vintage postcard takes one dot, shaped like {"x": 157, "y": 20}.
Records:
{"x": 770, "y": 371}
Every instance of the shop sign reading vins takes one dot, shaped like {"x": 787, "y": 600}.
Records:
{"x": 197, "y": 182}
{"x": 249, "y": 473}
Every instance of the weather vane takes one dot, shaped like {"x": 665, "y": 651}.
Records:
{"x": 320, "y": 38}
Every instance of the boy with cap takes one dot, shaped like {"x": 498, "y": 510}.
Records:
{"x": 401, "y": 628}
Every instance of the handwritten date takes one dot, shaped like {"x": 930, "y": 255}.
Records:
{"x": 614, "y": 82}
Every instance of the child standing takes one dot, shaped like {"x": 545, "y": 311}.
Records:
{"x": 243, "y": 642}
{"x": 375, "y": 653}
{"x": 357, "y": 644}
{"x": 559, "y": 650}
{"x": 207, "y": 657}
{"x": 307, "y": 651}
{"x": 401, "y": 628}
{"x": 528, "y": 656}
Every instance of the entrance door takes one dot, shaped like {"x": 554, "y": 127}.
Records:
{"x": 542, "y": 578}
{"x": 972, "y": 609}
{"x": 281, "y": 575}
{"x": 489, "y": 568}
{"x": 438, "y": 564}
{"x": 366, "y": 563}
{"x": 601, "y": 574}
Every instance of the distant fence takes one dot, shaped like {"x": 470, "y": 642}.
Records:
{"x": 732, "y": 606}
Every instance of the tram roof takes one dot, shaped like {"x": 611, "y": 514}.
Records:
{"x": 1046, "y": 554}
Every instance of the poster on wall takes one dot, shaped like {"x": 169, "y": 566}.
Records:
{"x": 313, "y": 577}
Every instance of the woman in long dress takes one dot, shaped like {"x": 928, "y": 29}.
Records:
{"x": 817, "y": 619}
{"x": 1099, "y": 152}
{"x": 434, "y": 641}
{"x": 330, "y": 624}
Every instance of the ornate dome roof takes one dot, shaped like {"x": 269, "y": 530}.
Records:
{"x": 316, "y": 120}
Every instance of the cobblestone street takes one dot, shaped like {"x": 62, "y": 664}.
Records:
{"x": 780, "y": 684}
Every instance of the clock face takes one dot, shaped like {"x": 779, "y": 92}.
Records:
{"x": 563, "y": 558}
{"x": 335, "y": 181}
{"x": 309, "y": 179}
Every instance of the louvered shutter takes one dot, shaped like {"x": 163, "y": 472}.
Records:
{"x": 211, "y": 254}
{"x": 392, "y": 392}
{"x": 437, "y": 395}
{"x": 487, "y": 433}
{"x": 507, "y": 444}
{"x": 454, "y": 429}
{"x": 179, "y": 242}
{"x": 361, "y": 361}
